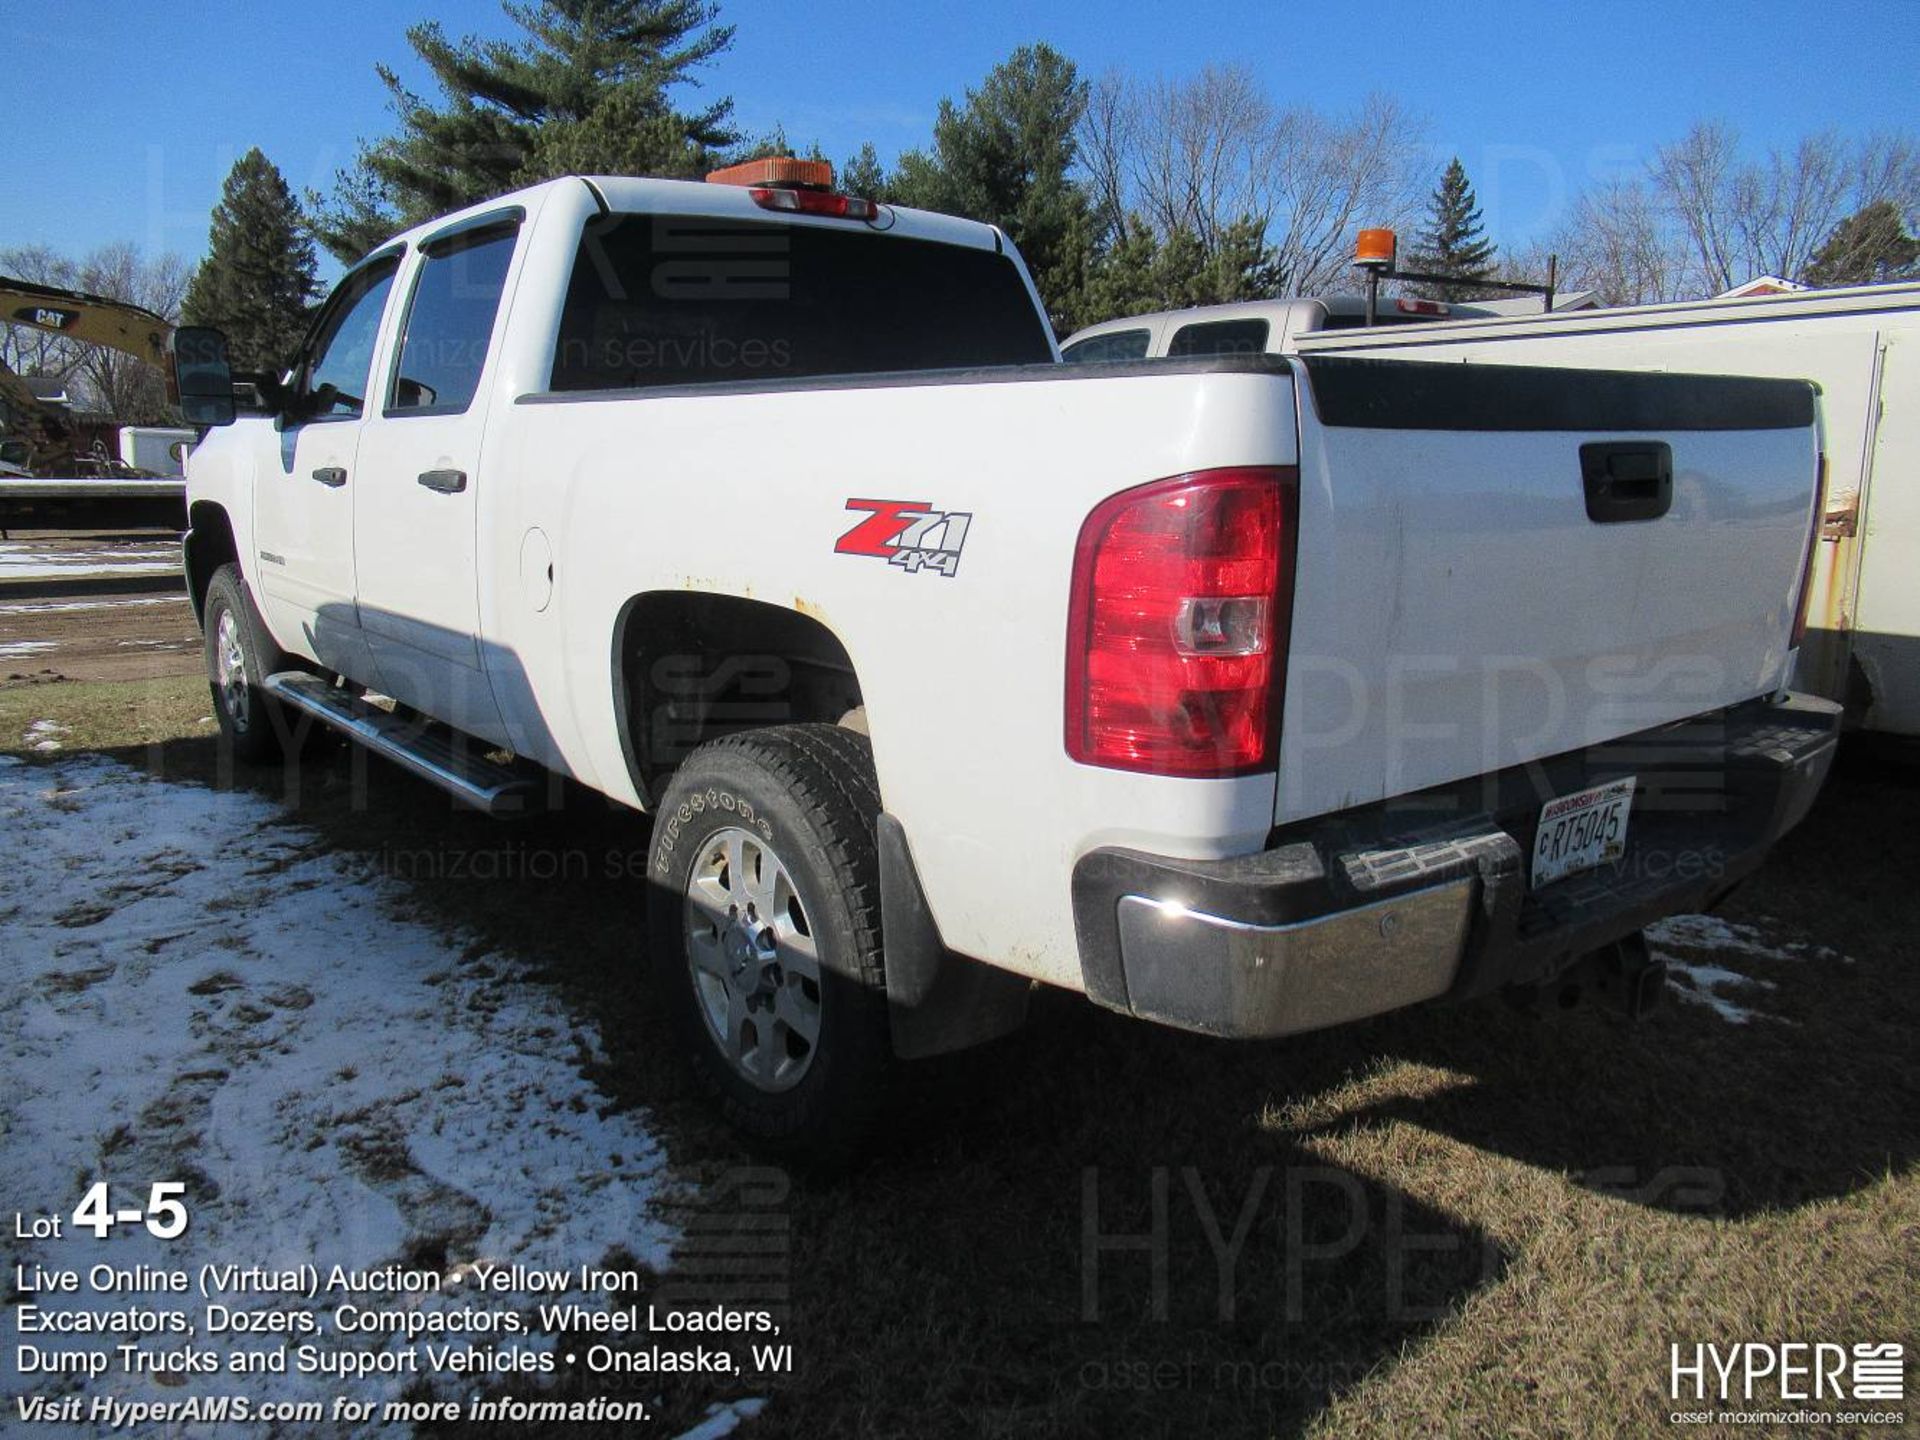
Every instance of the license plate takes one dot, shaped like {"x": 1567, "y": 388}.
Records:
{"x": 1581, "y": 830}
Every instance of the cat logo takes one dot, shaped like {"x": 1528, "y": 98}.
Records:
{"x": 46, "y": 317}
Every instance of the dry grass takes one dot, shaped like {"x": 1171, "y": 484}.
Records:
{"x": 1460, "y": 1221}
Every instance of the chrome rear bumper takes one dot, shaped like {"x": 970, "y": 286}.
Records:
{"x": 1374, "y": 910}
{"x": 1207, "y": 972}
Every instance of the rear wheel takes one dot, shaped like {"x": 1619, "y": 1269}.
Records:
{"x": 240, "y": 656}
{"x": 765, "y": 927}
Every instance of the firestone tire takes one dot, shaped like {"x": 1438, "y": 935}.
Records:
{"x": 764, "y": 909}
{"x": 240, "y": 655}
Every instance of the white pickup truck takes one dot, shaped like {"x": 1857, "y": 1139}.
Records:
{"x": 1246, "y": 694}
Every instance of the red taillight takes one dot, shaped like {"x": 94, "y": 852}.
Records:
{"x": 1421, "y": 307}
{"x": 1805, "y": 599}
{"x": 814, "y": 202}
{"x": 1177, "y": 626}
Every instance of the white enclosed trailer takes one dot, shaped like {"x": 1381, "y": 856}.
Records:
{"x": 1862, "y": 346}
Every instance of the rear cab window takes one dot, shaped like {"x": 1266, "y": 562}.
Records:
{"x": 1220, "y": 337}
{"x": 1115, "y": 345}
{"x": 681, "y": 300}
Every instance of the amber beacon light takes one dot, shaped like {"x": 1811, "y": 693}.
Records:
{"x": 783, "y": 170}
{"x": 1376, "y": 247}
{"x": 800, "y": 187}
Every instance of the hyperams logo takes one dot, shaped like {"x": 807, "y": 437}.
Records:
{"x": 908, "y": 533}
{"x": 1720, "y": 1384}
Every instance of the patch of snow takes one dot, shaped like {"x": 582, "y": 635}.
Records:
{"x": 193, "y": 990}
{"x": 44, "y": 735}
{"x": 22, "y": 562}
{"x": 1710, "y": 932}
{"x": 723, "y": 1419}
{"x": 54, "y": 570}
{"x": 50, "y": 607}
{"x": 1708, "y": 984}
{"x": 19, "y": 649}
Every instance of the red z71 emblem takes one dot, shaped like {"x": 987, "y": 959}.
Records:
{"x": 908, "y": 533}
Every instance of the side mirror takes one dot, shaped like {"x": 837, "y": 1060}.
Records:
{"x": 203, "y": 379}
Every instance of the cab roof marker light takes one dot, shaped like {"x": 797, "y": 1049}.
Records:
{"x": 814, "y": 202}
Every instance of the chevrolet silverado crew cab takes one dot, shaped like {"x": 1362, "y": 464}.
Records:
{"x": 1243, "y": 693}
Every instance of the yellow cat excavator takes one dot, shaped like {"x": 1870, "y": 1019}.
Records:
{"x": 34, "y": 436}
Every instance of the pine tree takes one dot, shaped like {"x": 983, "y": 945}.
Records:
{"x": 1870, "y": 245}
{"x": 1006, "y": 155}
{"x": 863, "y": 175}
{"x": 258, "y": 280}
{"x": 1139, "y": 271}
{"x": 583, "y": 90}
{"x": 1454, "y": 242}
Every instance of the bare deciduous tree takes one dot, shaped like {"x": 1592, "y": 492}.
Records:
{"x": 1198, "y": 148}
{"x": 1618, "y": 244}
{"x": 1203, "y": 155}
{"x": 1336, "y": 174}
{"x": 115, "y": 382}
{"x": 1696, "y": 178}
{"x": 1106, "y": 146}
{"x": 23, "y": 349}
{"x": 1737, "y": 218}
{"x": 1887, "y": 168}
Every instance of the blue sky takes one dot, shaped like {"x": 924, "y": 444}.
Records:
{"x": 148, "y": 105}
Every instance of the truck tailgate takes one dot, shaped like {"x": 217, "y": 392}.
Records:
{"x": 1499, "y": 564}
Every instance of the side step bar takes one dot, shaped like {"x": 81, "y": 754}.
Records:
{"x": 442, "y": 757}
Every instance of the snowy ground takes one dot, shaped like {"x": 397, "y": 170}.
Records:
{"x": 40, "y": 560}
{"x": 1701, "y": 950}
{"x": 68, "y": 607}
{"x": 192, "y": 990}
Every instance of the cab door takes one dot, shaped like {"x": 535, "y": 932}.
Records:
{"x": 304, "y": 494}
{"x": 420, "y": 465}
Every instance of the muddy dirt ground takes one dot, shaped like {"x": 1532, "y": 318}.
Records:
{"x": 90, "y": 605}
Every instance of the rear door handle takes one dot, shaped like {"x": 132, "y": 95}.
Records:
{"x": 1627, "y": 480}
{"x": 447, "y": 482}
{"x": 332, "y": 476}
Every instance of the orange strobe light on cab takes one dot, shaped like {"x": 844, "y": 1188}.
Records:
{"x": 776, "y": 170}
{"x": 1376, "y": 248}
{"x": 804, "y": 187}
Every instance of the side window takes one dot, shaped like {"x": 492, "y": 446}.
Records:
{"x": 1220, "y": 337}
{"x": 342, "y": 353}
{"x": 1115, "y": 345}
{"x": 449, "y": 322}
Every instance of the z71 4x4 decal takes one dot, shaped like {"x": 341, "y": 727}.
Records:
{"x": 908, "y": 533}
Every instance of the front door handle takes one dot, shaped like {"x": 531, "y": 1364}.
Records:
{"x": 447, "y": 482}
{"x": 332, "y": 476}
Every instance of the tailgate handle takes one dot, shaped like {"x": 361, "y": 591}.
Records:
{"x": 1627, "y": 480}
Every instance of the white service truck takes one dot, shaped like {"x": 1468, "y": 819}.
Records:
{"x": 1861, "y": 346}
{"x": 1246, "y": 694}
{"x": 1857, "y": 344}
